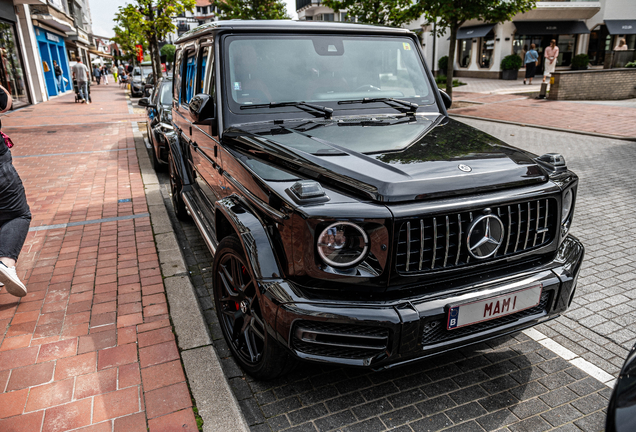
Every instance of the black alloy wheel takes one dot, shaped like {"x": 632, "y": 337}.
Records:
{"x": 175, "y": 190}
{"x": 238, "y": 309}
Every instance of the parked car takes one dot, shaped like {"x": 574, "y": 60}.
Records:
{"x": 621, "y": 413}
{"x": 137, "y": 80}
{"x": 159, "y": 112}
{"x": 350, "y": 219}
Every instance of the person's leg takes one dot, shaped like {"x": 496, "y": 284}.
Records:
{"x": 58, "y": 81}
{"x": 83, "y": 87}
{"x": 15, "y": 218}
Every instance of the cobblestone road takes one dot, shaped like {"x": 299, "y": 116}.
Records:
{"x": 512, "y": 383}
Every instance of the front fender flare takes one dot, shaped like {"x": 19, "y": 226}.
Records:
{"x": 254, "y": 237}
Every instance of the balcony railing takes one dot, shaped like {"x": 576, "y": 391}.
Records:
{"x": 302, "y": 3}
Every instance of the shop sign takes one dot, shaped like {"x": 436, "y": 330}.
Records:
{"x": 140, "y": 53}
{"x": 52, "y": 37}
{"x": 82, "y": 36}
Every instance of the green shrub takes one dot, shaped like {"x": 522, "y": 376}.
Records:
{"x": 511, "y": 62}
{"x": 442, "y": 65}
{"x": 631, "y": 64}
{"x": 580, "y": 62}
{"x": 441, "y": 82}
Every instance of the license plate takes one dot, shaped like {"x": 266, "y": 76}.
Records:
{"x": 494, "y": 307}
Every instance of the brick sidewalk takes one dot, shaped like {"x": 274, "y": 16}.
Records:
{"x": 91, "y": 346}
{"x": 613, "y": 121}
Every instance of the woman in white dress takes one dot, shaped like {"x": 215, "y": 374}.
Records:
{"x": 551, "y": 55}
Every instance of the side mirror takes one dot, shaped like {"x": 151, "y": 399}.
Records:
{"x": 143, "y": 102}
{"x": 202, "y": 108}
{"x": 446, "y": 98}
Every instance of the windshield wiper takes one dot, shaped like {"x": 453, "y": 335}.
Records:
{"x": 403, "y": 106}
{"x": 326, "y": 111}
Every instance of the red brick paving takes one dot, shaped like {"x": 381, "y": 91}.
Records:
{"x": 90, "y": 348}
{"x": 574, "y": 116}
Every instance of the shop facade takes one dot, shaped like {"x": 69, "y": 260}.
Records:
{"x": 13, "y": 76}
{"x": 52, "y": 48}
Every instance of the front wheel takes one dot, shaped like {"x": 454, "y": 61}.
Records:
{"x": 240, "y": 316}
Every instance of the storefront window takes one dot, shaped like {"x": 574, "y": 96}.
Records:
{"x": 487, "y": 50}
{"x": 11, "y": 69}
{"x": 566, "y": 44}
{"x": 463, "y": 53}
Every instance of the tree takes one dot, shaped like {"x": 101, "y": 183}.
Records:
{"x": 128, "y": 33}
{"x": 168, "y": 51}
{"x": 451, "y": 14}
{"x": 394, "y": 13}
{"x": 252, "y": 9}
{"x": 153, "y": 20}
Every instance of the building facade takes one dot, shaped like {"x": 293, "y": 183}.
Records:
{"x": 35, "y": 35}
{"x": 204, "y": 12}
{"x": 591, "y": 27}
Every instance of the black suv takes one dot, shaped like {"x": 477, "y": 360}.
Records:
{"x": 351, "y": 220}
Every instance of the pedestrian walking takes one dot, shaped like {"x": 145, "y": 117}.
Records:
{"x": 531, "y": 61}
{"x": 622, "y": 46}
{"x": 104, "y": 71}
{"x": 114, "y": 71}
{"x": 58, "y": 76}
{"x": 80, "y": 73}
{"x": 97, "y": 74}
{"x": 15, "y": 215}
{"x": 550, "y": 55}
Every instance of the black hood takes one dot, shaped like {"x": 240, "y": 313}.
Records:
{"x": 393, "y": 159}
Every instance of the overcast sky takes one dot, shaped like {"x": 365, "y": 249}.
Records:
{"x": 103, "y": 12}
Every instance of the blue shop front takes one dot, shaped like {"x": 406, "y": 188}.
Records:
{"x": 52, "y": 47}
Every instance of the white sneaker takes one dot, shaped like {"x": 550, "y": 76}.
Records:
{"x": 9, "y": 277}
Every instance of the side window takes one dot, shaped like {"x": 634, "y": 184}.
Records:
{"x": 190, "y": 65}
{"x": 205, "y": 53}
{"x": 176, "y": 90}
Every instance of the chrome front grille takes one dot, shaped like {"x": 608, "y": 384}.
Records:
{"x": 439, "y": 242}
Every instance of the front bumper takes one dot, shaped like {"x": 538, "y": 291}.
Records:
{"x": 384, "y": 334}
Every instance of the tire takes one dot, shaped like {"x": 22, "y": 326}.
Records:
{"x": 175, "y": 190}
{"x": 237, "y": 301}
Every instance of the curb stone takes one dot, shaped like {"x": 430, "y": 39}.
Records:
{"x": 214, "y": 398}
{"x": 594, "y": 134}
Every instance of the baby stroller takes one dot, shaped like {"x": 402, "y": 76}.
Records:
{"x": 78, "y": 98}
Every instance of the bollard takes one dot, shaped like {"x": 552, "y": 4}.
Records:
{"x": 543, "y": 91}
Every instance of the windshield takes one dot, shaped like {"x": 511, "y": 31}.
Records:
{"x": 324, "y": 70}
{"x": 166, "y": 93}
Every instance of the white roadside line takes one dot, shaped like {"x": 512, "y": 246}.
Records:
{"x": 573, "y": 358}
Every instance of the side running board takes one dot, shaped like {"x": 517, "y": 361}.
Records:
{"x": 197, "y": 216}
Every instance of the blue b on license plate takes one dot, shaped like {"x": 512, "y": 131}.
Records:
{"x": 474, "y": 312}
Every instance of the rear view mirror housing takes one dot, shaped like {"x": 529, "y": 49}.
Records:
{"x": 446, "y": 98}
{"x": 202, "y": 110}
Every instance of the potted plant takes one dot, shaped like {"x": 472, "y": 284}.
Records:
{"x": 510, "y": 66}
{"x": 580, "y": 62}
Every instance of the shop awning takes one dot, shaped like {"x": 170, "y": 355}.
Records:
{"x": 542, "y": 28}
{"x": 474, "y": 31}
{"x": 621, "y": 27}
{"x": 99, "y": 53}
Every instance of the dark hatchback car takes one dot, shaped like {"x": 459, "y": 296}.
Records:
{"x": 351, "y": 220}
{"x": 159, "y": 123}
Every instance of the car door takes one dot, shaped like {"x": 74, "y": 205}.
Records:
{"x": 206, "y": 158}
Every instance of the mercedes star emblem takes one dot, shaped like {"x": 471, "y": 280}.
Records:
{"x": 244, "y": 307}
{"x": 485, "y": 235}
{"x": 464, "y": 168}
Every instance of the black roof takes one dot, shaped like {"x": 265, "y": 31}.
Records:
{"x": 287, "y": 26}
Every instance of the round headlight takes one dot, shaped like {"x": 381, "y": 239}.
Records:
{"x": 567, "y": 205}
{"x": 343, "y": 244}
